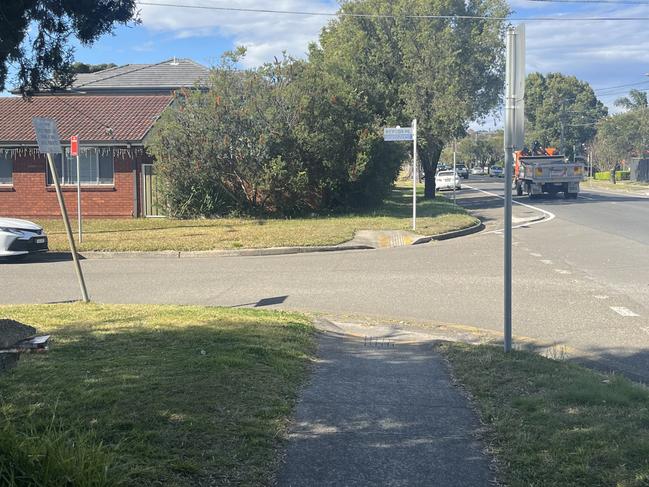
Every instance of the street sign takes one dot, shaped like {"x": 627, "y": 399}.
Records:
{"x": 393, "y": 134}
{"x": 74, "y": 146}
{"x": 396, "y": 134}
{"x": 47, "y": 135}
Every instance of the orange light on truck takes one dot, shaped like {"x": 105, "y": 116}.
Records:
{"x": 578, "y": 169}
{"x": 538, "y": 171}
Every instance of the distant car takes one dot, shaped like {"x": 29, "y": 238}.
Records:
{"x": 447, "y": 180}
{"x": 477, "y": 170}
{"x": 496, "y": 171}
{"x": 462, "y": 171}
{"x": 19, "y": 238}
{"x": 441, "y": 167}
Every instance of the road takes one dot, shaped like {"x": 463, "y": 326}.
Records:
{"x": 581, "y": 278}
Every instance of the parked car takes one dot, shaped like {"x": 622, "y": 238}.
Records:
{"x": 496, "y": 171}
{"x": 441, "y": 167}
{"x": 19, "y": 238}
{"x": 462, "y": 171}
{"x": 477, "y": 170}
{"x": 447, "y": 180}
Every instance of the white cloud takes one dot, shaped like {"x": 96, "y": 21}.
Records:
{"x": 264, "y": 34}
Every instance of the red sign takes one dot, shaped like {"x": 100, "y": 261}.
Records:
{"x": 74, "y": 146}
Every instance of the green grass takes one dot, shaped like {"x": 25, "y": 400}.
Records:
{"x": 151, "y": 395}
{"x": 624, "y": 186}
{"x": 551, "y": 423}
{"x": 434, "y": 217}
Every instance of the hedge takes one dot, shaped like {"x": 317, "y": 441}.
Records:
{"x": 619, "y": 175}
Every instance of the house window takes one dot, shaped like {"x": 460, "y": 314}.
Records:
{"x": 6, "y": 170}
{"x": 96, "y": 166}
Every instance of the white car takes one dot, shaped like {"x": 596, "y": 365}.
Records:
{"x": 447, "y": 180}
{"x": 19, "y": 238}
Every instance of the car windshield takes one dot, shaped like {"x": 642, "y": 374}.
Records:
{"x": 458, "y": 166}
{"x": 446, "y": 173}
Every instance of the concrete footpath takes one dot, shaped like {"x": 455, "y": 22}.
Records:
{"x": 382, "y": 411}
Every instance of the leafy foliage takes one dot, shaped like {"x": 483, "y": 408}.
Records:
{"x": 636, "y": 100}
{"x": 285, "y": 138}
{"x": 444, "y": 72}
{"x": 79, "y": 67}
{"x": 622, "y": 136}
{"x": 47, "y": 53}
{"x": 477, "y": 149}
{"x": 555, "y": 100}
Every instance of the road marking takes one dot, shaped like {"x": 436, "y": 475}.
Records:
{"x": 622, "y": 311}
{"x": 535, "y": 254}
{"x": 546, "y": 262}
{"x": 562, "y": 271}
{"x": 598, "y": 296}
{"x": 549, "y": 215}
{"x": 618, "y": 193}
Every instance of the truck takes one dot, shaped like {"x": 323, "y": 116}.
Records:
{"x": 544, "y": 170}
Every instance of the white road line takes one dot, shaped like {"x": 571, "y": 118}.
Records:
{"x": 533, "y": 254}
{"x": 547, "y": 262}
{"x": 599, "y": 296}
{"x": 622, "y": 311}
{"x": 549, "y": 215}
{"x": 562, "y": 271}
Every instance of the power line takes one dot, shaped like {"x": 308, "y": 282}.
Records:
{"x": 391, "y": 16}
{"x": 620, "y": 86}
{"x": 618, "y": 2}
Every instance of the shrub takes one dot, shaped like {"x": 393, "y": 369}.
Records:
{"x": 282, "y": 139}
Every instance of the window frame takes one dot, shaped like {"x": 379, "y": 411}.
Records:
{"x": 67, "y": 161}
{"x": 9, "y": 159}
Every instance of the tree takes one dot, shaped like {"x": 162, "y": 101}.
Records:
{"x": 443, "y": 71}
{"x": 48, "y": 53}
{"x": 83, "y": 68}
{"x": 636, "y": 100}
{"x": 560, "y": 108}
{"x": 622, "y": 136}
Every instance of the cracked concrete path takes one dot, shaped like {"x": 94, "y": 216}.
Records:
{"x": 383, "y": 412}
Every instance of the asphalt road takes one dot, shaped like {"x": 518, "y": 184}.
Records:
{"x": 581, "y": 278}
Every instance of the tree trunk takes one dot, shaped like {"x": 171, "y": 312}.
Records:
{"x": 429, "y": 160}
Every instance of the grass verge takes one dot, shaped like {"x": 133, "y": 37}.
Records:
{"x": 151, "y": 395}
{"x": 622, "y": 186}
{"x": 551, "y": 423}
{"x": 434, "y": 217}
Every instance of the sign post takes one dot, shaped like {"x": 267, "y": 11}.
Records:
{"x": 74, "y": 152}
{"x": 514, "y": 139}
{"x": 398, "y": 134}
{"x": 49, "y": 143}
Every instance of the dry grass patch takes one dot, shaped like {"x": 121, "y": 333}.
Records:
{"x": 434, "y": 217}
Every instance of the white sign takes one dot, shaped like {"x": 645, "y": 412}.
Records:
{"x": 47, "y": 135}
{"x": 397, "y": 133}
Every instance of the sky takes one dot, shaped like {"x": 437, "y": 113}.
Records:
{"x": 604, "y": 53}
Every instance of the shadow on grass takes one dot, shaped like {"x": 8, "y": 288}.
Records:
{"x": 171, "y": 404}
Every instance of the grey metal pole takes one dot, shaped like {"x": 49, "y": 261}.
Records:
{"x": 414, "y": 174}
{"x": 68, "y": 230}
{"x": 454, "y": 164}
{"x": 509, "y": 152}
{"x": 79, "y": 198}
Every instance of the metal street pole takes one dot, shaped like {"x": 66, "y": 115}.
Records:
{"x": 79, "y": 198}
{"x": 454, "y": 173}
{"x": 414, "y": 174}
{"x": 68, "y": 230}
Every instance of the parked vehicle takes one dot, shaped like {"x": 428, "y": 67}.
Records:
{"x": 19, "y": 238}
{"x": 441, "y": 167}
{"x": 477, "y": 170}
{"x": 545, "y": 171}
{"x": 462, "y": 171}
{"x": 447, "y": 180}
{"x": 496, "y": 172}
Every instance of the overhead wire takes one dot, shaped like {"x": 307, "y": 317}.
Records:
{"x": 392, "y": 16}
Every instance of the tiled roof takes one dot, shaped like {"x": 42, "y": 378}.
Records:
{"x": 92, "y": 118}
{"x": 167, "y": 75}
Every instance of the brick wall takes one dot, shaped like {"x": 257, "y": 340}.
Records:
{"x": 30, "y": 197}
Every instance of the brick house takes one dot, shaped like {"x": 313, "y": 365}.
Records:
{"x": 112, "y": 112}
